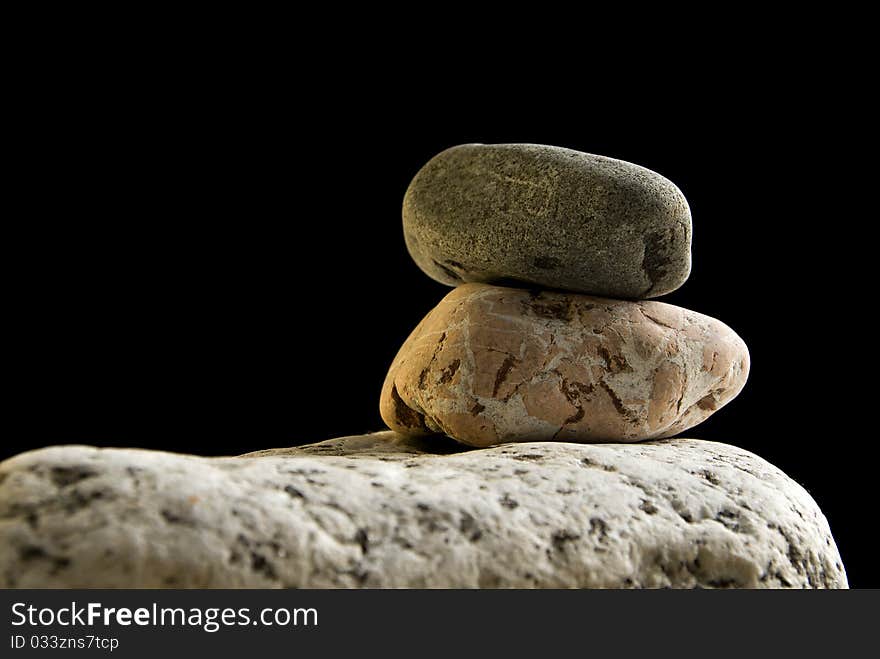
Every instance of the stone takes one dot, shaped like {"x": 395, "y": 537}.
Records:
{"x": 387, "y": 511}
{"x": 491, "y": 364}
{"x": 548, "y": 217}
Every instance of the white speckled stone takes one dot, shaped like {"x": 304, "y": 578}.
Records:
{"x": 384, "y": 511}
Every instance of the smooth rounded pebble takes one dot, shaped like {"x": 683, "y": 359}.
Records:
{"x": 547, "y": 216}
{"x": 382, "y": 511}
{"x": 490, "y": 365}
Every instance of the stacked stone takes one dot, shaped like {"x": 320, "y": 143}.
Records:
{"x": 524, "y": 349}
{"x": 546, "y": 337}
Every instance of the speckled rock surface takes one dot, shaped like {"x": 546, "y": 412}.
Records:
{"x": 386, "y": 511}
{"x": 550, "y": 217}
{"x": 492, "y": 364}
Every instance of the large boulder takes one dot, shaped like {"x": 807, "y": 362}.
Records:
{"x": 384, "y": 511}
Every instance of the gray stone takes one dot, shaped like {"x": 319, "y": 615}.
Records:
{"x": 384, "y": 511}
{"x": 550, "y": 217}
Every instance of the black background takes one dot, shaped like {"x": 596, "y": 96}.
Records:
{"x": 208, "y": 257}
